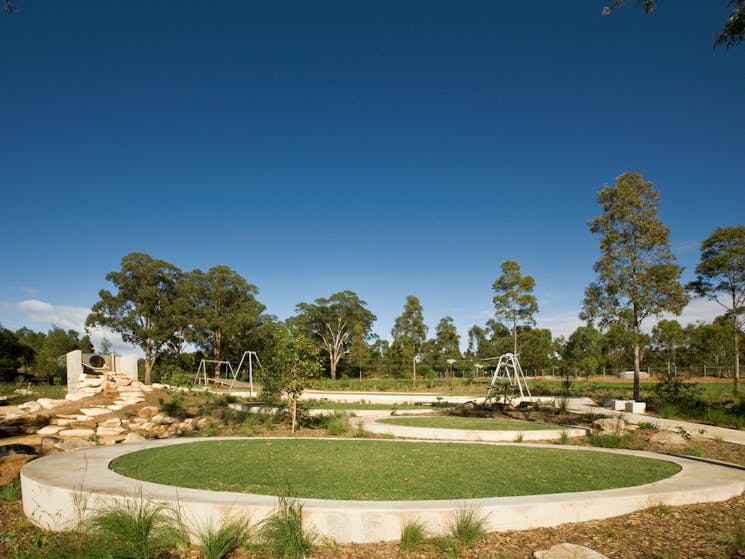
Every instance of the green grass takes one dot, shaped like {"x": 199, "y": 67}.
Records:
{"x": 468, "y": 423}
{"x": 11, "y": 491}
{"x": 467, "y": 526}
{"x": 345, "y": 406}
{"x": 340, "y": 469}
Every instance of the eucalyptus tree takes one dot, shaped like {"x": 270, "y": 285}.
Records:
{"x": 224, "y": 308}
{"x": 721, "y": 278}
{"x": 409, "y": 332}
{"x": 144, "y": 286}
{"x": 667, "y": 337}
{"x": 334, "y": 323}
{"x": 583, "y": 351}
{"x": 514, "y": 301}
{"x": 538, "y": 350}
{"x": 447, "y": 340}
{"x": 637, "y": 274}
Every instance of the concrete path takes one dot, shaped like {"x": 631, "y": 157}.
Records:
{"x": 586, "y": 405}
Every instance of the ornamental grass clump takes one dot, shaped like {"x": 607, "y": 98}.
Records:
{"x": 413, "y": 535}
{"x": 467, "y": 526}
{"x": 282, "y": 534}
{"x": 137, "y": 529}
{"x": 217, "y": 542}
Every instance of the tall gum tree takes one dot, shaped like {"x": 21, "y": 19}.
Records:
{"x": 514, "y": 302}
{"x": 145, "y": 286}
{"x": 637, "y": 274}
{"x": 225, "y": 307}
{"x": 334, "y": 322}
{"x": 409, "y": 331}
{"x": 721, "y": 278}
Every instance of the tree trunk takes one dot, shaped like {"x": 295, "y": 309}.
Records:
{"x": 149, "y": 358}
{"x": 148, "y": 369}
{"x": 332, "y": 366}
{"x": 514, "y": 337}
{"x": 217, "y": 342}
{"x": 293, "y": 413}
{"x": 413, "y": 369}
{"x": 736, "y": 385}
{"x": 637, "y": 367}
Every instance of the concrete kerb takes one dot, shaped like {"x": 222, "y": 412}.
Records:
{"x": 59, "y": 490}
{"x": 371, "y": 423}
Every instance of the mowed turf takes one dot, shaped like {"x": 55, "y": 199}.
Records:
{"x": 384, "y": 470}
{"x": 468, "y": 423}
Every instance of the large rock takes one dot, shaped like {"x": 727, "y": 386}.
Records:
{"x": 134, "y": 438}
{"x": 147, "y": 411}
{"x": 51, "y": 403}
{"x": 93, "y": 412}
{"x": 104, "y": 431}
{"x": 56, "y": 444}
{"x": 77, "y": 433}
{"x": 162, "y": 419}
{"x": 614, "y": 425}
{"x": 668, "y": 438}
{"x": 50, "y": 430}
{"x": 31, "y": 406}
{"x": 568, "y": 551}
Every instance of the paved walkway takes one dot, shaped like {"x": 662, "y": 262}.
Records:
{"x": 586, "y": 405}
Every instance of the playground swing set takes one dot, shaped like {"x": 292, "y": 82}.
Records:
{"x": 231, "y": 374}
{"x": 508, "y": 375}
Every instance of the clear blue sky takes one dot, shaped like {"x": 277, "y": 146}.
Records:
{"x": 390, "y": 148}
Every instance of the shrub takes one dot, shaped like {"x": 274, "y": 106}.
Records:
{"x": 337, "y": 424}
{"x": 175, "y": 407}
{"x": 610, "y": 440}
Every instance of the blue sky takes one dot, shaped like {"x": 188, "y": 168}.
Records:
{"x": 384, "y": 147}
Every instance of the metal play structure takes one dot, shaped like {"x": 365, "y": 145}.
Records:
{"x": 507, "y": 373}
{"x": 231, "y": 375}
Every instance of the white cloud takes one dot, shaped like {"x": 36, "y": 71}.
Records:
{"x": 41, "y": 315}
{"x": 698, "y": 310}
{"x": 561, "y": 323}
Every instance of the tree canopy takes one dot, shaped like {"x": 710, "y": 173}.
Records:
{"x": 514, "y": 301}
{"x": 145, "y": 286}
{"x": 637, "y": 275}
{"x": 409, "y": 332}
{"x": 732, "y": 33}
{"x": 721, "y": 278}
{"x": 334, "y": 323}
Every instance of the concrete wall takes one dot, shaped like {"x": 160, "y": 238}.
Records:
{"x": 74, "y": 370}
{"x": 126, "y": 364}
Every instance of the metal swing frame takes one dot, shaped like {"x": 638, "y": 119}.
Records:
{"x": 508, "y": 370}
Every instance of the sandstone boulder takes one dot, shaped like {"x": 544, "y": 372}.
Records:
{"x": 51, "y": 403}
{"x": 57, "y": 444}
{"x": 668, "y": 438}
{"x": 614, "y": 425}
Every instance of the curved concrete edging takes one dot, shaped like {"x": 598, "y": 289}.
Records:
{"x": 373, "y": 425}
{"x": 60, "y": 490}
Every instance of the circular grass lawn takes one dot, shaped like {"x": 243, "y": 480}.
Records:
{"x": 468, "y": 423}
{"x": 384, "y": 470}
